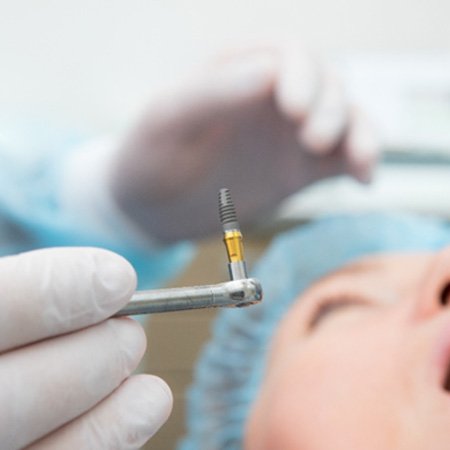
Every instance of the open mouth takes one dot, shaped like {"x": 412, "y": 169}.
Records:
{"x": 446, "y": 383}
{"x": 446, "y": 374}
{"x": 443, "y": 359}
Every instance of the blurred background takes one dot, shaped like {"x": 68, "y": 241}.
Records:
{"x": 92, "y": 66}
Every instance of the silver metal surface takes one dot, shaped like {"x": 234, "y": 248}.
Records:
{"x": 234, "y": 294}
{"x": 237, "y": 270}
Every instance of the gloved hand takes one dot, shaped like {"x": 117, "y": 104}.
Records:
{"x": 64, "y": 370}
{"x": 263, "y": 123}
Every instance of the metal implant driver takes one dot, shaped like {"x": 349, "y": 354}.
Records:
{"x": 240, "y": 291}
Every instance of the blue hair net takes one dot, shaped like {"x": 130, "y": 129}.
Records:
{"x": 230, "y": 369}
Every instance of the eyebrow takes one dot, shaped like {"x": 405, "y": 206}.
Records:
{"x": 354, "y": 268}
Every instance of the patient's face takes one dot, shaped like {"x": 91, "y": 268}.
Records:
{"x": 361, "y": 362}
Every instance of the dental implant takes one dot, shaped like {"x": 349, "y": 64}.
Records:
{"x": 239, "y": 292}
{"x": 232, "y": 236}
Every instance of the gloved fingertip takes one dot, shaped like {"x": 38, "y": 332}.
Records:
{"x": 159, "y": 384}
{"x": 318, "y": 144}
{"x": 362, "y": 146}
{"x": 158, "y": 399}
{"x": 116, "y": 276}
{"x": 297, "y": 85}
{"x": 131, "y": 339}
{"x": 244, "y": 78}
{"x": 363, "y": 174}
{"x": 294, "y": 105}
{"x": 363, "y": 162}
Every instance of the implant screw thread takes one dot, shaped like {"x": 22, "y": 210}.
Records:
{"x": 232, "y": 236}
{"x": 227, "y": 210}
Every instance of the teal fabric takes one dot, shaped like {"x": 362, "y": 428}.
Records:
{"x": 230, "y": 368}
{"x": 31, "y": 156}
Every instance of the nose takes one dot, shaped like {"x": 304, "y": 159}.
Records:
{"x": 434, "y": 290}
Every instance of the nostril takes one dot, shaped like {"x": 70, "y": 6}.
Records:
{"x": 445, "y": 295}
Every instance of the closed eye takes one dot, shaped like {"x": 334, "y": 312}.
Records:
{"x": 329, "y": 307}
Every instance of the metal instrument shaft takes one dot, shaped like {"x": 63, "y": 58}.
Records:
{"x": 231, "y": 294}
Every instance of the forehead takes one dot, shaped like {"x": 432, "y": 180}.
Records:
{"x": 394, "y": 269}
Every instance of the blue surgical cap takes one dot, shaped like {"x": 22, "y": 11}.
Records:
{"x": 231, "y": 367}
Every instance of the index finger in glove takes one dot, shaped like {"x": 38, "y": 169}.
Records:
{"x": 298, "y": 83}
{"x": 361, "y": 145}
{"x": 323, "y": 128}
{"x": 55, "y": 291}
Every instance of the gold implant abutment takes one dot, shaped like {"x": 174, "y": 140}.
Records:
{"x": 232, "y": 236}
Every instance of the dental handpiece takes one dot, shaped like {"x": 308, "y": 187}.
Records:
{"x": 238, "y": 292}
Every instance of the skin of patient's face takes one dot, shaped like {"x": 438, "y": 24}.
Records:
{"x": 366, "y": 372}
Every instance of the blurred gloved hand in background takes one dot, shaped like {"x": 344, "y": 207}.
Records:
{"x": 263, "y": 123}
{"x": 64, "y": 369}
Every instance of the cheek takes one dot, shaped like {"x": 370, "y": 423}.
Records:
{"x": 342, "y": 392}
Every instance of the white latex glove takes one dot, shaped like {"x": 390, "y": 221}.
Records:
{"x": 64, "y": 371}
{"x": 264, "y": 123}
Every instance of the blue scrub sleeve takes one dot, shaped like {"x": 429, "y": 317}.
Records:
{"x": 33, "y": 216}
